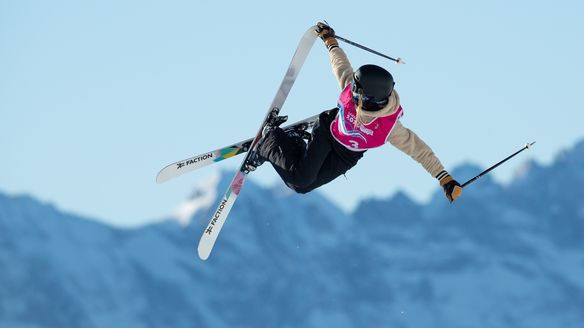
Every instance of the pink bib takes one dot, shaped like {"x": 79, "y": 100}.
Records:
{"x": 365, "y": 136}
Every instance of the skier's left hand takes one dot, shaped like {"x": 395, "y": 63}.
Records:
{"x": 324, "y": 31}
{"x": 327, "y": 34}
{"x": 451, "y": 187}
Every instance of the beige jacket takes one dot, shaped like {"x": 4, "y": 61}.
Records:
{"x": 401, "y": 137}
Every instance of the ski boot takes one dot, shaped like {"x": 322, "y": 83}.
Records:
{"x": 274, "y": 122}
{"x": 255, "y": 160}
{"x": 299, "y": 133}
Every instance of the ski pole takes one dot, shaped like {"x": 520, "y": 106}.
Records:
{"x": 527, "y": 146}
{"x": 397, "y": 60}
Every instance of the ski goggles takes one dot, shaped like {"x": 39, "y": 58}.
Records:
{"x": 371, "y": 101}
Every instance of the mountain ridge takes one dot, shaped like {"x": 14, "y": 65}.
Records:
{"x": 501, "y": 256}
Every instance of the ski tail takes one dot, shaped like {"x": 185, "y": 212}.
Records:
{"x": 218, "y": 219}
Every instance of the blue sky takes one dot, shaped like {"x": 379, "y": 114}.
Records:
{"x": 97, "y": 96}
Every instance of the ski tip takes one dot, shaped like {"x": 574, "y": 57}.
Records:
{"x": 160, "y": 179}
{"x": 163, "y": 175}
{"x": 204, "y": 249}
{"x": 203, "y": 253}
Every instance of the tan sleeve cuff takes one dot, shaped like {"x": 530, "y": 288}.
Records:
{"x": 444, "y": 178}
{"x": 331, "y": 43}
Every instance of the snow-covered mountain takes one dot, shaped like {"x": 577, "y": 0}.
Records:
{"x": 501, "y": 256}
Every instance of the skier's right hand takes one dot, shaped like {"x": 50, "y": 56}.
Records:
{"x": 327, "y": 34}
{"x": 452, "y": 188}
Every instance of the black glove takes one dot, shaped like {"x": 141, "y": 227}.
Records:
{"x": 327, "y": 34}
{"x": 451, "y": 187}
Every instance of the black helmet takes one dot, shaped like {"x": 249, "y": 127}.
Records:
{"x": 375, "y": 84}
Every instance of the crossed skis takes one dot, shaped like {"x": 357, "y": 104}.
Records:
{"x": 220, "y": 215}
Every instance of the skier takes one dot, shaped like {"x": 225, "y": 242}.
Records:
{"x": 367, "y": 116}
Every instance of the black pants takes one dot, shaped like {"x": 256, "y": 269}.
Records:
{"x": 305, "y": 167}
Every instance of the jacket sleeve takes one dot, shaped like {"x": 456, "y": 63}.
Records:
{"x": 341, "y": 66}
{"x": 408, "y": 142}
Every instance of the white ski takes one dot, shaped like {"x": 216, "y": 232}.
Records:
{"x": 218, "y": 219}
{"x": 196, "y": 162}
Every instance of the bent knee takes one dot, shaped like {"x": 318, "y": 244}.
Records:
{"x": 300, "y": 189}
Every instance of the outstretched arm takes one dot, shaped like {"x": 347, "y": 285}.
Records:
{"x": 339, "y": 62}
{"x": 408, "y": 142}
